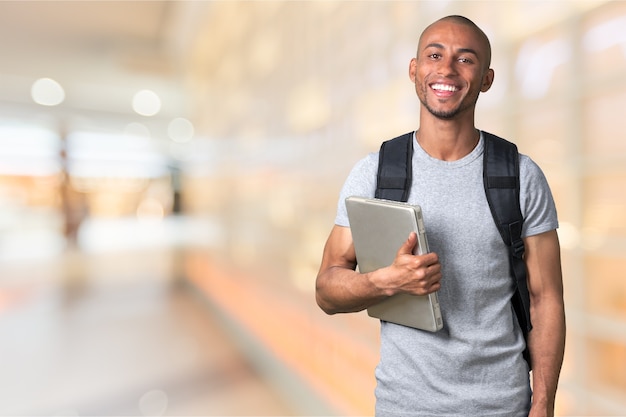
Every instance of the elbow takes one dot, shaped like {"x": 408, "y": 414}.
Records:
{"x": 548, "y": 308}
{"x": 322, "y": 303}
{"x": 326, "y": 308}
{"x": 547, "y": 299}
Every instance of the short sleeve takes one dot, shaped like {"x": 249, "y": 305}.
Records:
{"x": 360, "y": 182}
{"x": 536, "y": 201}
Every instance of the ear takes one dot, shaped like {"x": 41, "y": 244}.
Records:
{"x": 413, "y": 70}
{"x": 487, "y": 80}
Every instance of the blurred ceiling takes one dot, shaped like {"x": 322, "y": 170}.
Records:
{"x": 101, "y": 52}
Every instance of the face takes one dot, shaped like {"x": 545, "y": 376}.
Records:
{"x": 451, "y": 69}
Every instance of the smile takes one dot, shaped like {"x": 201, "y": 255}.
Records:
{"x": 444, "y": 87}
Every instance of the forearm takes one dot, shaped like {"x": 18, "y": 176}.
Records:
{"x": 340, "y": 289}
{"x": 546, "y": 341}
{"x": 343, "y": 290}
{"x": 546, "y": 344}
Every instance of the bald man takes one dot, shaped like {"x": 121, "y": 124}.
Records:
{"x": 474, "y": 366}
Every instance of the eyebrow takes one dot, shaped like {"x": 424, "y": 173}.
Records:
{"x": 461, "y": 50}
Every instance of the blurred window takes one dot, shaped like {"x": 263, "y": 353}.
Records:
{"x": 537, "y": 65}
{"x": 28, "y": 151}
{"x": 114, "y": 156}
{"x": 604, "y": 41}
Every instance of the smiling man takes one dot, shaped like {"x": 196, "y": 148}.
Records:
{"x": 438, "y": 44}
{"x": 475, "y": 365}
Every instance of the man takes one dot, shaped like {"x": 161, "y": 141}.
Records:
{"x": 474, "y": 366}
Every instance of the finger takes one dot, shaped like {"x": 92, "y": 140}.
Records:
{"x": 408, "y": 245}
{"x": 430, "y": 260}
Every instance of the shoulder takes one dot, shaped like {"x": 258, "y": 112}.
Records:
{"x": 536, "y": 200}
{"x": 366, "y": 165}
{"x": 527, "y": 166}
{"x": 361, "y": 181}
{"x": 530, "y": 171}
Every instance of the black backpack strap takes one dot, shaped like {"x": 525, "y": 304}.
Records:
{"x": 395, "y": 168}
{"x": 502, "y": 188}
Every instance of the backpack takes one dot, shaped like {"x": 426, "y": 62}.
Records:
{"x": 502, "y": 187}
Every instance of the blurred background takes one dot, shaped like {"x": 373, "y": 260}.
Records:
{"x": 169, "y": 172}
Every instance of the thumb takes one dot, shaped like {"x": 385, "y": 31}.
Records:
{"x": 408, "y": 245}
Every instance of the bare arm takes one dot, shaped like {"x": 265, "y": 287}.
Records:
{"x": 340, "y": 289}
{"x": 546, "y": 341}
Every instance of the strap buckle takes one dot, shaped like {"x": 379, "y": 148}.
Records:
{"x": 518, "y": 249}
{"x": 517, "y": 244}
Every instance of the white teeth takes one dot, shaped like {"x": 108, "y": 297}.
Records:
{"x": 444, "y": 87}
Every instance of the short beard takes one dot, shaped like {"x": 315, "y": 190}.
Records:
{"x": 448, "y": 115}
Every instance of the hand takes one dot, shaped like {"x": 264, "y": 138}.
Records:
{"x": 415, "y": 274}
{"x": 540, "y": 408}
{"x": 536, "y": 411}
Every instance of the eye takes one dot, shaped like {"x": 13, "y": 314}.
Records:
{"x": 434, "y": 56}
{"x": 466, "y": 60}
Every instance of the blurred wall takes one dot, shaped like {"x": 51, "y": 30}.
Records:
{"x": 285, "y": 97}
{"x": 292, "y": 94}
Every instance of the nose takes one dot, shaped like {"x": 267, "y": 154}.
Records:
{"x": 447, "y": 66}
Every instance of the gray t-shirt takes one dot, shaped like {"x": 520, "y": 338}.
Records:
{"x": 474, "y": 365}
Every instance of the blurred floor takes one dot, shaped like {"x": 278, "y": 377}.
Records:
{"x": 119, "y": 334}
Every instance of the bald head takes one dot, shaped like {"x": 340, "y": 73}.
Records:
{"x": 462, "y": 20}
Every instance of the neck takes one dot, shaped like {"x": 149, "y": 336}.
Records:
{"x": 447, "y": 140}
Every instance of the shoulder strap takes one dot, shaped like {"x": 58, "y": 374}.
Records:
{"x": 502, "y": 188}
{"x": 395, "y": 168}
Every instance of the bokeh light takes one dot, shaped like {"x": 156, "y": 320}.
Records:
{"x": 146, "y": 103}
{"x": 47, "y": 92}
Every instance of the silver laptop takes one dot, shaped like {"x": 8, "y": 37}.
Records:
{"x": 379, "y": 228}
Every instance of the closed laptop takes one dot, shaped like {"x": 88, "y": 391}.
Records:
{"x": 379, "y": 228}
